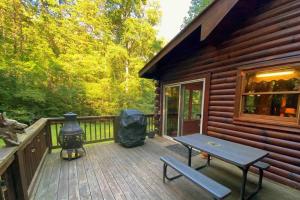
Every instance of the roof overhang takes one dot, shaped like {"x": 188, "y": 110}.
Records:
{"x": 207, "y": 20}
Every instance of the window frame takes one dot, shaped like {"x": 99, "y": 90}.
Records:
{"x": 241, "y": 117}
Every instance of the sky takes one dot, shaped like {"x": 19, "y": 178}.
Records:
{"x": 173, "y": 12}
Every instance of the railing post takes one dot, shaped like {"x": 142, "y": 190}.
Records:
{"x": 49, "y": 136}
{"x": 20, "y": 176}
{"x": 116, "y": 127}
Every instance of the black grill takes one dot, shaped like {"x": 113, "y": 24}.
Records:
{"x": 71, "y": 138}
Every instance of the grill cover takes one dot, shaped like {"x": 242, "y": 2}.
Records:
{"x": 132, "y": 128}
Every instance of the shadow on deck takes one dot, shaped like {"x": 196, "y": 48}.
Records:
{"x": 110, "y": 171}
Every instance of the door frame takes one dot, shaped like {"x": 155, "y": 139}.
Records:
{"x": 180, "y": 106}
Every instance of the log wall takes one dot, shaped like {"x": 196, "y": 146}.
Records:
{"x": 271, "y": 37}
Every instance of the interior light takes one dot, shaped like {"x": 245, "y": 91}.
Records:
{"x": 270, "y": 74}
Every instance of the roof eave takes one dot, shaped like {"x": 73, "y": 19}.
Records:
{"x": 208, "y": 20}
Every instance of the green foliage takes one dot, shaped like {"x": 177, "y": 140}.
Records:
{"x": 81, "y": 56}
{"x": 196, "y": 7}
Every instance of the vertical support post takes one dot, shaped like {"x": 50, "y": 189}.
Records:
{"x": 157, "y": 115}
{"x": 116, "y": 127}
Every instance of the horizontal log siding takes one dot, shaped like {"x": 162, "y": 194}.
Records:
{"x": 272, "y": 37}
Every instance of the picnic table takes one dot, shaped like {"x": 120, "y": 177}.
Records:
{"x": 239, "y": 155}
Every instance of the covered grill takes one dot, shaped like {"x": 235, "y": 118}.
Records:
{"x": 71, "y": 137}
{"x": 132, "y": 128}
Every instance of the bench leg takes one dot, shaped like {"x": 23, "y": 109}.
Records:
{"x": 206, "y": 164}
{"x": 244, "y": 182}
{"x": 165, "y": 176}
{"x": 259, "y": 185}
{"x": 190, "y": 156}
{"x": 190, "y": 149}
{"x": 261, "y": 175}
{"x": 243, "y": 188}
{"x": 164, "y": 172}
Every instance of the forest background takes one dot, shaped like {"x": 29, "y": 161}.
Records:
{"x": 82, "y": 56}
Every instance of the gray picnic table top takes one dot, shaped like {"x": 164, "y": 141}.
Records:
{"x": 237, "y": 154}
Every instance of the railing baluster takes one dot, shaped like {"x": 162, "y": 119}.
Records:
{"x": 112, "y": 121}
{"x": 108, "y": 131}
{"x": 109, "y": 125}
{"x": 148, "y": 124}
{"x": 83, "y": 135}
{"x": 85, "y": 131}
{"x": 95, "y": 130}
{"x": 56, "y": 135}
{"x": 105, "y": 131}
{"x": 101, "y": 129}
{"x": 148, "y": 127}
{"x": 152, "y": 123}
{"x": 91, "y": 137}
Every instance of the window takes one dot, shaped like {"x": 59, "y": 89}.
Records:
{"x": 271, "y": 94}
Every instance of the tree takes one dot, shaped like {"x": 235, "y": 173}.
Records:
{"x": 81, "y": 56}
{"x": 196, "y": 7}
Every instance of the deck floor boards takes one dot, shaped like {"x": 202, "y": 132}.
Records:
{"x": 112, "y": 172}
{"x": 83, "y": 185}
{"x": 94, "y": 186}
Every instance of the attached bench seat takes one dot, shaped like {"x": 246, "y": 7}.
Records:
{"x": 261, "y": 165}
{"x": 217, "y": 190}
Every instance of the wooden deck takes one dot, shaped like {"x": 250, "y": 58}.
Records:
{"x": 109, "y": 171}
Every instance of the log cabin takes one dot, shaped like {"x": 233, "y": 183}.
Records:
{"x": 234, "y": 73}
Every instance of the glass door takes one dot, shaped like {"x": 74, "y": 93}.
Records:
{"x": 192, "y": 94}
{"x": 171, "y": 110}
{"x": 183, "y": 104}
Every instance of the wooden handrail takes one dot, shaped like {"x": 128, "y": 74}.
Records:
{"x": 51, "y": 119}
{"x": 31, "y": 132}
{"x": 59, "y": 119}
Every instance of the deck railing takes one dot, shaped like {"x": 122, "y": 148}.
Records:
{"x": 20, "y": 165}
{"x": 96, "y": 128}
